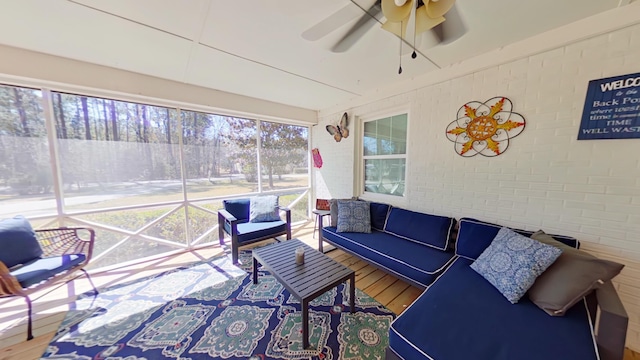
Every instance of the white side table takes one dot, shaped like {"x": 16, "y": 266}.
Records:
{"x": 318, "y": 214}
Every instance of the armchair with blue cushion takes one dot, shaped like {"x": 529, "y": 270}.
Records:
{"x": 31, "y": 260}
{"x": 247, "y": 223}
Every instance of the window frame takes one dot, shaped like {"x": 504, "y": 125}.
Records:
{"x": 360, "y": 157}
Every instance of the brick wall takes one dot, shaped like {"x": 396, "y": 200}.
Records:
{"x": 546, "y": 179}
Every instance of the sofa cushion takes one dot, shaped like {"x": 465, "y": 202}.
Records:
{"x": 475, "y": 235}
{"x": 264, "y": 208}
{"x": 379, "y": 214}
{"x": 239, "y": 208}
{"x": 431, "y": 230}
{"x": 333, "y": 210}
{"x": 462, "y": 316}
{"x": 39, "y": 270}
{"x": 513, "y": 262}
{"x": 354, "y": 216}
{"x": 251, "y": 231}
{"x": 398, "y": 256}
{"x": 571, "y": 277}
{"x": 18, "y": 242}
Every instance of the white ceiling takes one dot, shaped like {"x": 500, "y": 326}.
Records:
{"x": 255, "y": 48}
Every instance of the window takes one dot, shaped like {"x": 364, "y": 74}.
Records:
{"x": 384, "y": 155}
{"x": 26, "y": 182}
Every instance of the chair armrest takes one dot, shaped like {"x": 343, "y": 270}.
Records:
{"x": 287, "y": 212}
{"x": 66, "y": 240}
{"x": 612, "y": 327}
{"x": 226, "y": 216}
{"x": 9, "y": 285}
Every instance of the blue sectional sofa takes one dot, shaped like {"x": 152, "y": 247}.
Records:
{"x": 410, "y": 245}
{"x": 461, "y": 315}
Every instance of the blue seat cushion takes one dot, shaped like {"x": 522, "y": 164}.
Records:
{"x": 239, "y": 208}
{"x": 475, "y": 235}
{"x": 396, "y": 255}
{"x": 250, "y": 231}
{"x": 432, "y": 230}
{"x": 18, "y": 242}
{"x": 462, "y": 316}
{"x": 39, "y": 270}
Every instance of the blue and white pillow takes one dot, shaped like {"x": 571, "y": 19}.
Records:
{"x": 354, "y": 216}
{"x": 513, "y": 262}
{"x": 263, "y": 208}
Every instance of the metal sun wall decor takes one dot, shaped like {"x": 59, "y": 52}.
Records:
{"x": 485, "y": 128}
{"x": 340, "y": 131}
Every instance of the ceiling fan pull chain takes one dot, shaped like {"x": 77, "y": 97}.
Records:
{"x": 400, "y": 54}
{"x": 413, "y": 54}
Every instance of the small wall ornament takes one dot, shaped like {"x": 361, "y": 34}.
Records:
{"x": 485, "y": 128}
{"x": 340, "y": 131}
{"x": 317, "y": 159}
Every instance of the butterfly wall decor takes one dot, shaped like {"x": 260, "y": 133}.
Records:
{"x": 340, "y": 131}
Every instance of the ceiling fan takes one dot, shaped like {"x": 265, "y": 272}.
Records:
{"x": 395, "y": 17}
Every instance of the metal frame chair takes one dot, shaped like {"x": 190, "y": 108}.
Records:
{"x": 54, "y": 242}
{"x": 225, "y": 216}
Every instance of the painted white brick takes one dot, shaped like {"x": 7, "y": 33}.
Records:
{"x": 584, "y": 205}
{"x": 532, "y": 178}
{"x": 567, "y": 178}
{"x": 608, "y": 198}
{"x": 626, "y": 191}
{"x": 530, "y": 193}
{"x": 546, "y": 187}
{"x": 514, "y": 185}
{"x": 623, "y": 209}
{"x": 597, "y": 189}
{"x": 610, "y": 180}
{"x": 546, "y": 179}
{"x": 603, "y": 215}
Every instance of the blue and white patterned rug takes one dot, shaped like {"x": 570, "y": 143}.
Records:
{"x": 212, "y": 309}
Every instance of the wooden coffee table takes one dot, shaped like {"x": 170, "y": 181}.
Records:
{"x": 307, "y": 281}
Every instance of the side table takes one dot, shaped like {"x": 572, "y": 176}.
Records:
{"x": 317, "y": 214}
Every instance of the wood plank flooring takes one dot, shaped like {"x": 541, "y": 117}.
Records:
{"x": 51, "y": 305}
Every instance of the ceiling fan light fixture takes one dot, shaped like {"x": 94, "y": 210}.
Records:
{"x": 424, "y": 22}
{"x": 396, "y": 13}
{"x": 400, "y": 2}
{"x": 437, "y": 8}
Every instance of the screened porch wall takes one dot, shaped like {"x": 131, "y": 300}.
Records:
{"x": 149, "y": 179}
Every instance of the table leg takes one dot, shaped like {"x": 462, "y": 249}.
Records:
{"x": 255, "y": 270}
{"x": 352, "y": 293}
{"x": 305, "y": 324}
{"x": 315, "y": 225}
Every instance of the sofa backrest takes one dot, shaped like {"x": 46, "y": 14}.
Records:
{"x": 474, "y": 236}
{"x": 18, "y": 242}
{"x": 379, "y": 213}
{"x": 427, "y": 229}
{"x": 239, "y": 208}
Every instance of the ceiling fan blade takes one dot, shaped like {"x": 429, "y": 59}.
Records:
{"x": 453, "y": 28}
{"x": 332, "y": 22}
{"x": 363, "y": 25}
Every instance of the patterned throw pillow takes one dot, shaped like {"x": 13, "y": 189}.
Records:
{"x": 513, "y": 262}
{"x": 354, "y": 216}
{"x": 263, "y": 208}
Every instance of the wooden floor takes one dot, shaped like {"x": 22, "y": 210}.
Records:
{"x": 51, "y": 305}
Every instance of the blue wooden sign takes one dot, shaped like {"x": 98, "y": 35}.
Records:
{"x": 612, "y": 109}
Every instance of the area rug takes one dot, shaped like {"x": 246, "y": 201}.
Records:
{"x": 212, "y": 309}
